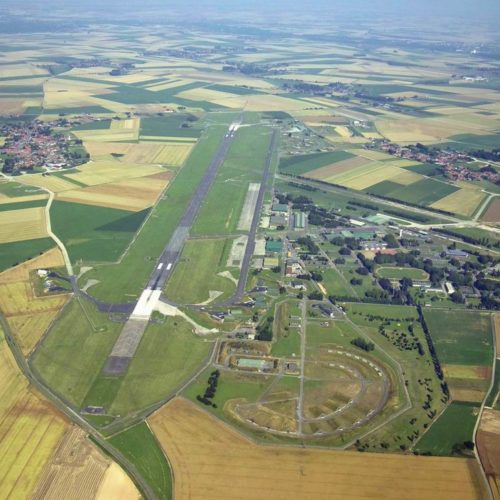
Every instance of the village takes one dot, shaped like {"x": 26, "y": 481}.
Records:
{"x": 36, "y": 146}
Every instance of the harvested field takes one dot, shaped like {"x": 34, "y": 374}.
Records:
{"x": 210, "y": 460}
{"x": 488, "y": 445}
{"x": 130, "y": 124}
{"x": 492, "y": 214}
{"x": 338, "y": 168}
{"x": 30, "y": 429}
{"x": 116, "y": 485}
{"x": 51, "y": 183}
{"x": 28, "y": 316}
{"x": 132, "y": 194}
{"x": 463, "y": 201}
{"x": 51, "y": 258}
{"x": 24, "y": 224}
{"x": 79, "y": 471}
{"x": 101, "y": 172}
{"x": 373, "y": 173}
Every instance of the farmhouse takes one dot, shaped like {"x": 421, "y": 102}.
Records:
{"x": 297, "y": 285}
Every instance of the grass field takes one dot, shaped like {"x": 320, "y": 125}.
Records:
{"x": 167, "y": 355}
{"x": 72, "y": 354}
{"x": 139, "y": 445}
{"x": 196, "y": 441}
{"x": 30, "y": 429}
{"x": 244, "y": 163}
{"x": 94, "y": 233}
{"x": 461, "y": 337}
{"x": 454, "y": 426}
{"x": 203, "y": 258}
{"x": 401, "y": 272}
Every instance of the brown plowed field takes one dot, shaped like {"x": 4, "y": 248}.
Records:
{"x": 211, "y": 461}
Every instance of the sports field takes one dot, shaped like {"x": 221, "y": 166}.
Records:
{"x": 206, "y": 455}
{"x": 401, "y": 272}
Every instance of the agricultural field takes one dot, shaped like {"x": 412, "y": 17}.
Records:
{"x": 453, "y": 427}
{"x": 27, "y": 314}
{"x": 464, "y": 345}
{"x": 30, "y": 429}
{"x": 78, "y": 469}
{"x": 191, "y": 438}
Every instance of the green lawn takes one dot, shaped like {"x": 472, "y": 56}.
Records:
{"x": 196, "y": 273}
{"x": 454, "y": 426}
{"x": 16, "y": 252}
{"x": 120, "y": 282}
{"x": 461, "y": 337}
{"x": 168, "y": 354}
{"x": 139, "y": 445}
{"x": 94, "y": 234}
{"x": 73, "y": 353}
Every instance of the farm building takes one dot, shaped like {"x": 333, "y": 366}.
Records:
{"x": 297, "y": 285}
{"x": 299, "y": 220}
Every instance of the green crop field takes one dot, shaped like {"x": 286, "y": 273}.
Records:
{"x": 94, "y": 234}
{"x": 197, "y": 272}
{"x": 461, "y": 337}
{"x": 16, "y": 252}
{"x": 454, "y": 426}
{"x": 401, "y": 272}
{"x": 298, "y": 165}
{"x": 5, "y": 207}
{"x": 169, "y": 126}
{"x": 423, "y": 192}
{"x": 139, "y": 445}
{"x": 73, "y": 352}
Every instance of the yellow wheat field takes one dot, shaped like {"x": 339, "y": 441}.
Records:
{"x": 24, "y": 224}
{"x": 210, "y": 460}
{"x": 463, "y": 201}
{"x": 30, "y": 429}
